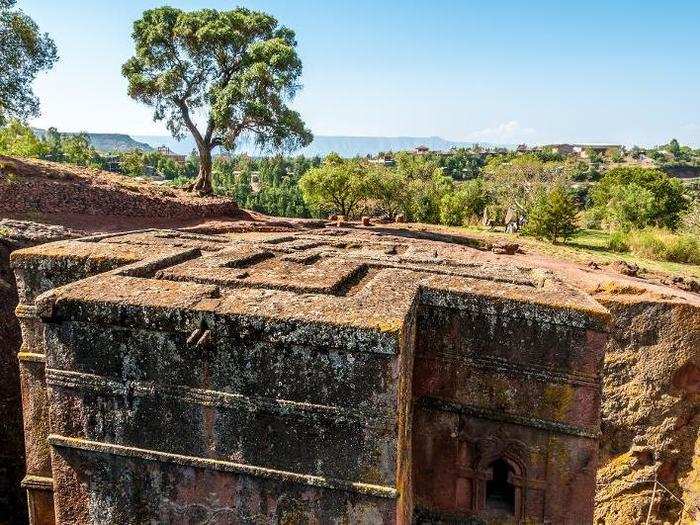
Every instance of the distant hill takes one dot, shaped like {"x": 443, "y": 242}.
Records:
{"x": 325, "y": 144}
{"x": 108, "y": 141}
{"x": 322, "y": 145}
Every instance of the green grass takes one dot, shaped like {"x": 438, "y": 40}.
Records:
{"x": 586, "y": 246}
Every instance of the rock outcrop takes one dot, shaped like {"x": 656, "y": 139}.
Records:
{"x": 37, "y": 188}
{"x": 15, "y": 235}
{"x": 650, "y": 411}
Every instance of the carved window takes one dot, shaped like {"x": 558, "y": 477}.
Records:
{"x": 500, "y": 492}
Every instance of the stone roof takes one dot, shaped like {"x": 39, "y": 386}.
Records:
{"x": 332, "y": 276}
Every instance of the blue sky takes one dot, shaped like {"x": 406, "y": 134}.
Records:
{"x": 618, "y": 71}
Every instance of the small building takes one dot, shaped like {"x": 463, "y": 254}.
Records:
{"x": 167, "y": 152}
{"x": 421, "y": 150}
{"x": 561, "y": 149}
{"x": 582, "y": 150}
{"x": 384, "y": 160}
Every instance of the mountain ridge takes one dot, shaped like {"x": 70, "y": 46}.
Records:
{"x": 343, "y": 145}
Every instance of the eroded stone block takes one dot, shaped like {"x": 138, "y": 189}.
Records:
{"x": 333, "y": 377}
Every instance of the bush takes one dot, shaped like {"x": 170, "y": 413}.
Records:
{"x": 691, "y": 220}
{"x": 659, "y": 244}
{"x": 634, "y": 197}
{"x": 18, "y": 140}
{"x": 552, "y": 215}
{"x": 426, "y": 197}
{"x": 618, "y": 242}
{"x": 466, "y": 202}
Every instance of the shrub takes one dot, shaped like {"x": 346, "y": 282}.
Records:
{"x": 618, "y": 242}
{"x": 426, "y": 197}
{"x": 465, "y": 203}
{"x": 661, "y": 244}
{"x": 592, "y": 218}
{"x": 691, "y": 220}
{"x": 552, "y": 215}
{"x": 640, "y": 197}
{"x": 630, "y": 206}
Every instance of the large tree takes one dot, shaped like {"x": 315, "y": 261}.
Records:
{"x": 24, "y": 52}
{"x": 220, "y": 75}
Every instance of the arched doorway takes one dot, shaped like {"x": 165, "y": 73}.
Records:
{"x": 500, "y": 492}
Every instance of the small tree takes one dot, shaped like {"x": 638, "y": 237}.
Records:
{"x": 77, "y": 149}
{"x": 663, "y": 209}
{"x": 24, "y": 52}
{"x": 552, "y": 215}
{"x": 389, "y": 189}
{"x": 337, "y": 185}
{"x": 18, "y": 140}
{"x": 514, "y": 183}
{"x": 467, "y": 201}
{"x": 236, "y": 69}
{"x": 674, "y": 148}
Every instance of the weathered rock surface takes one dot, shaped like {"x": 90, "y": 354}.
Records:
{"x": 36, "y": 188}
{"x": 650, "y": 411}
{"x": 15, "y": 235}
{"x": 650, "y": 394}
{"x": 334, "y": 376}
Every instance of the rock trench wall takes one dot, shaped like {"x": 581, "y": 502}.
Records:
{"x": 14, "y": 235}
{"x": 650, "y": 412}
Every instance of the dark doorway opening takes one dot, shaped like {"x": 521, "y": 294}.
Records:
{"x": 500, "y": 493}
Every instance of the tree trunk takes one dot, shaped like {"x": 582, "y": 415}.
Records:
{"x": 202, "y": 183}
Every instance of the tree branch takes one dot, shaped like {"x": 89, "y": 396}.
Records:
{"x": 201, "y": 144}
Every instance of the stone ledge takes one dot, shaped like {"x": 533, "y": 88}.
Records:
{"x": 380, "y": 491}
{"x": 436, "y": 404}
{"x": 502, "y": 365}
{"x": 212, "y": 398}
{"x": 37, "y": 483}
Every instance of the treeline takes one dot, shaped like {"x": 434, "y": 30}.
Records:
{"x": 269, "y": 185}
{"x": 539, "y": 193}
{"x": 19, "y": 140}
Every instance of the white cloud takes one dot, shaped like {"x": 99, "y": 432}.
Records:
{"x": 690, "y": 127}
{"x": 510, "y": 130}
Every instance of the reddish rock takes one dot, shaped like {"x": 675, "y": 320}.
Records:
{"x": 189, "y": 375}
{"x": 505, "y": 248}
{"x": 625, "y": 268}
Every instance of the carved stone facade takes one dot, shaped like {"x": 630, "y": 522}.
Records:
{"x": 331, "y": 377}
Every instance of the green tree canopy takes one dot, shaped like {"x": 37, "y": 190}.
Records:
{"x": 552, "y": 215}
{"x": 24, "y": 52}
{"x": 389, "y": 189}
{"x": 674, "y": 148}
{"x": 235, "y": 70}
{"x": 18, "y": 140}
{"x": 466, "y": 202}
{"x": 337, "y": 185}
{"x": 78, "y": 150}
{"x": 661, "y": 198}
{"x": 514, "y": 183}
